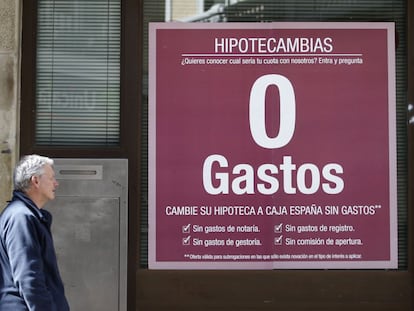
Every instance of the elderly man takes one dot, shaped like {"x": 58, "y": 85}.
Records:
{"x": 29, "y": 275}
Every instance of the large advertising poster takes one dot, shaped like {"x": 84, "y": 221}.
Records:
{"x": 272, "y": 146}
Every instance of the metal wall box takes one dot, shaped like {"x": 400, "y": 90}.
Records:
{"x": 90, "y": 231}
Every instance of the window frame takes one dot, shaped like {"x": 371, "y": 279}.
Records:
{"x": 28, "y": 98}
{"x": 130, "y": 112}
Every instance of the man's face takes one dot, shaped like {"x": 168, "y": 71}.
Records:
{"x": 47, "y": 184}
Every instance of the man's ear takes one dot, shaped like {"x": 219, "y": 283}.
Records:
{"x": 35, "y": 180}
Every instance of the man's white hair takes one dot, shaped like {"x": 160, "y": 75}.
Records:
{"x": 29, "y": 166}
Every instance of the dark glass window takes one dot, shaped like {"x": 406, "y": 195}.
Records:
{"x": 300, "y": 11}
{"x": 78, "y": 73}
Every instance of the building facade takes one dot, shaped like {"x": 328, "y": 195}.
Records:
{"x": 74, "y": 85}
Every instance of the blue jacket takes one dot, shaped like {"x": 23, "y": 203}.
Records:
{"x": 29, "y": 275}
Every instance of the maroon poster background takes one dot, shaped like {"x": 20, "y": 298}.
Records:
{"x": 332, "y": 203}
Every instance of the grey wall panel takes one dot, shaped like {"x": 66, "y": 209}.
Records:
{"x": 86, "y": 234}
{"x": 90, "y": 231}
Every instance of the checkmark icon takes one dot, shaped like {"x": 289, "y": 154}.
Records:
{"x": 186, "y": 240}
{"x": 279, "y": 228}
{"x": 186, "y": 228}
{"x": 279, "y": 240}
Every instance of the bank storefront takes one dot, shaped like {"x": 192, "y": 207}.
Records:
{"x": 216, "y": 198}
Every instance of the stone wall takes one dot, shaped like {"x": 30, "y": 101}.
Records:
{"x": 10, "y": 22}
